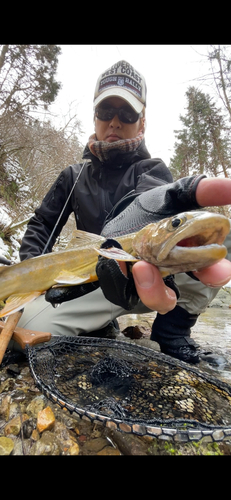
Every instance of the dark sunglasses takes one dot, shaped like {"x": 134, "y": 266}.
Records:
{"x": 125, "y": 114}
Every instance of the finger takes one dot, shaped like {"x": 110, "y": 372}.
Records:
{"x": 213, "y": 192}
{"x": 151, "y": 288}
{"x": 217, "y": 275}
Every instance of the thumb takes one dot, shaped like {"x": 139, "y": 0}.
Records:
{"x": 151, "y": 288}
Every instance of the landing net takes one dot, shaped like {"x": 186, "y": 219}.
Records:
{"x": 131, "y": 388}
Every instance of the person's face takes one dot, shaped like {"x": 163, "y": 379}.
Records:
{"x": 114, "y": 129}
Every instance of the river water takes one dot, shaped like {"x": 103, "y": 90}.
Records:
{"x": 212, "y": 332}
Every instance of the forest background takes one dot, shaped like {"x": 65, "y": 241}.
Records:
{"x": 33, "y": 150}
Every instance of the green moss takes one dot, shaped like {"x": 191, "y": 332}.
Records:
{"x": 159, "y": 447}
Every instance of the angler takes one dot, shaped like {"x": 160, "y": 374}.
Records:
{"x": 119, "y": 189}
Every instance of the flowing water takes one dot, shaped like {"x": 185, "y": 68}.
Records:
{"x": 212, "y": 332}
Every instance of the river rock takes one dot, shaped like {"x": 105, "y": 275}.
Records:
{"x": 93, "y": 446}
{"x": 67, "y": 442}
{"x": 37, "y": 404}
{"x": 47, "y": 445}
{"x": 14, "y": 426}
{"x": 6, "y": 445}
{"x": 45, "y": 420}
{"x": 109, "y": 450}
{"x": 5, "y": 407}
{"x": 128, "y": 444}
{"x": 7, "y": 385}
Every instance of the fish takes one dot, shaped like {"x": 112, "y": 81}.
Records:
{"x": 185, "y": 242}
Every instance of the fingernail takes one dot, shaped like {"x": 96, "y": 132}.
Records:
{"x": 147, "y": 279}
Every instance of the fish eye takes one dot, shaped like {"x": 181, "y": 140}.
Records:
{"x": 175, "y": 222}
{"x": 178, "y": 221}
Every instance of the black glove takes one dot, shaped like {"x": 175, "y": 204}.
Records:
{"x": 152, "y": 206}
{"x": 118, "y": 288}
{"x": 64, "y": 293}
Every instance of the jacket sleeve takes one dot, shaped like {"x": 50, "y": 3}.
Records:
{"x": 157, "y": 175}
{"x": 42, "y": 223}
{"x": 153, "y": 205}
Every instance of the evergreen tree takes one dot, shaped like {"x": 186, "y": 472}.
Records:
{"x": 203, "y": 145}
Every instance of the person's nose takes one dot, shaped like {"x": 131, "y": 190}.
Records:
{"x": 115, "y": 122}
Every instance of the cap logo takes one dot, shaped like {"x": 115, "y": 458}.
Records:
{"x": 122, "y": 75}
{"x": 120, "y": 80}
{"x": 127, "y": 83}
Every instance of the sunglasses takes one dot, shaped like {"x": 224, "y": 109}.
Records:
{"x": 125, "y": 114}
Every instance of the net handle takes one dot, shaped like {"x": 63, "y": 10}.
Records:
{"x": 8, "y": 331}
{"x": 24, "y": 336}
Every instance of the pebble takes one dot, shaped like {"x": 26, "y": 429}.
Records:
{"x": 14, "y": 426}
{"x": 108, "y": 450}
{"x": 45, "y": 419}
{"x": 6, "y": 445}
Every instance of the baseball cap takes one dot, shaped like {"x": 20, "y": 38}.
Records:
{"x": 124, "y": 81}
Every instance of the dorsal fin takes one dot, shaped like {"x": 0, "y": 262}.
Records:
{"x": 79, "y": 237}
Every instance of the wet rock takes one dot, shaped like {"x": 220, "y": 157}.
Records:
{"x": 95, "y": 445}
{"x": 13, "y": 410}
{"x": 45, "y": 419}
{"x": 28, "y": 427}
{"x": 133, "y": 332}
{"x": 47, "y": 445}
{"x": 5, "y": 407}
{"x": 109, "y": 450}
{"x": 14, "y": 426}
{"x": 128, "y": 444}
{"x": 214, "y": 359}
{"x": 13, "y": 370}
{"x": 6, "y": 445}
{"x": 37, "y": 404}
{"x": 67, "y": 439}
{"x": 7, "y": 385}
{"x": 73, "y": 450}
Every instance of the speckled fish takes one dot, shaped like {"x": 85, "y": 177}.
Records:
{"x": 182, "y": 243}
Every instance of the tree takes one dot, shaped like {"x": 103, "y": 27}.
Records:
{"x": 27, "y": 77}
{"x": 220, "y": 60}
{"x": 203, "y": 146}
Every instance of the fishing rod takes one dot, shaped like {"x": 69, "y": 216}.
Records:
{"x": 61, "y": 214}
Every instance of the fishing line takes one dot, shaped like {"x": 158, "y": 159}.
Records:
{"x": 61, "y": 214}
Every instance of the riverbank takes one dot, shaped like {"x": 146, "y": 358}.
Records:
{"x": 32, "y": 425}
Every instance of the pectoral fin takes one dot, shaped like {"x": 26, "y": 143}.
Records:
{"x": 16, "y": 302}
{"x": 67, "y": 278}
{"x": 116, "y": 253}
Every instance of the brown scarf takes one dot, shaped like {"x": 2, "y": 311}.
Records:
{"x": 101, "y": 149}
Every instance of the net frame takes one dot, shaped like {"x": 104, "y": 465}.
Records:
{"x": 180, "y": 429}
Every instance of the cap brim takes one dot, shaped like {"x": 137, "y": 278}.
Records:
{"x": 124, "y": 94}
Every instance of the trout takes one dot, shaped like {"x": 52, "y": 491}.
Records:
{"x": 185, "y": 242}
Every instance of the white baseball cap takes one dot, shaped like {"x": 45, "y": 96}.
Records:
{"x": 124, "y": 81}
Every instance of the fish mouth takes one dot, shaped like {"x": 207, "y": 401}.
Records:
{"x": 193, "y": 258}
{"x": 200, "y": 242}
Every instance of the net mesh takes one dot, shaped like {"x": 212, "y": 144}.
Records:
{"x": 122, "y": 382}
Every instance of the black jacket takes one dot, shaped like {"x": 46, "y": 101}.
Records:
{"x": 99, "y": 188}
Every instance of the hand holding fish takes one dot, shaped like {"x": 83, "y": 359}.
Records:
{"x": 149, "y": 284}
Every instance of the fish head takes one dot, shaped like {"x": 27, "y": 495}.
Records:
{"x": 185, "y": 242}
